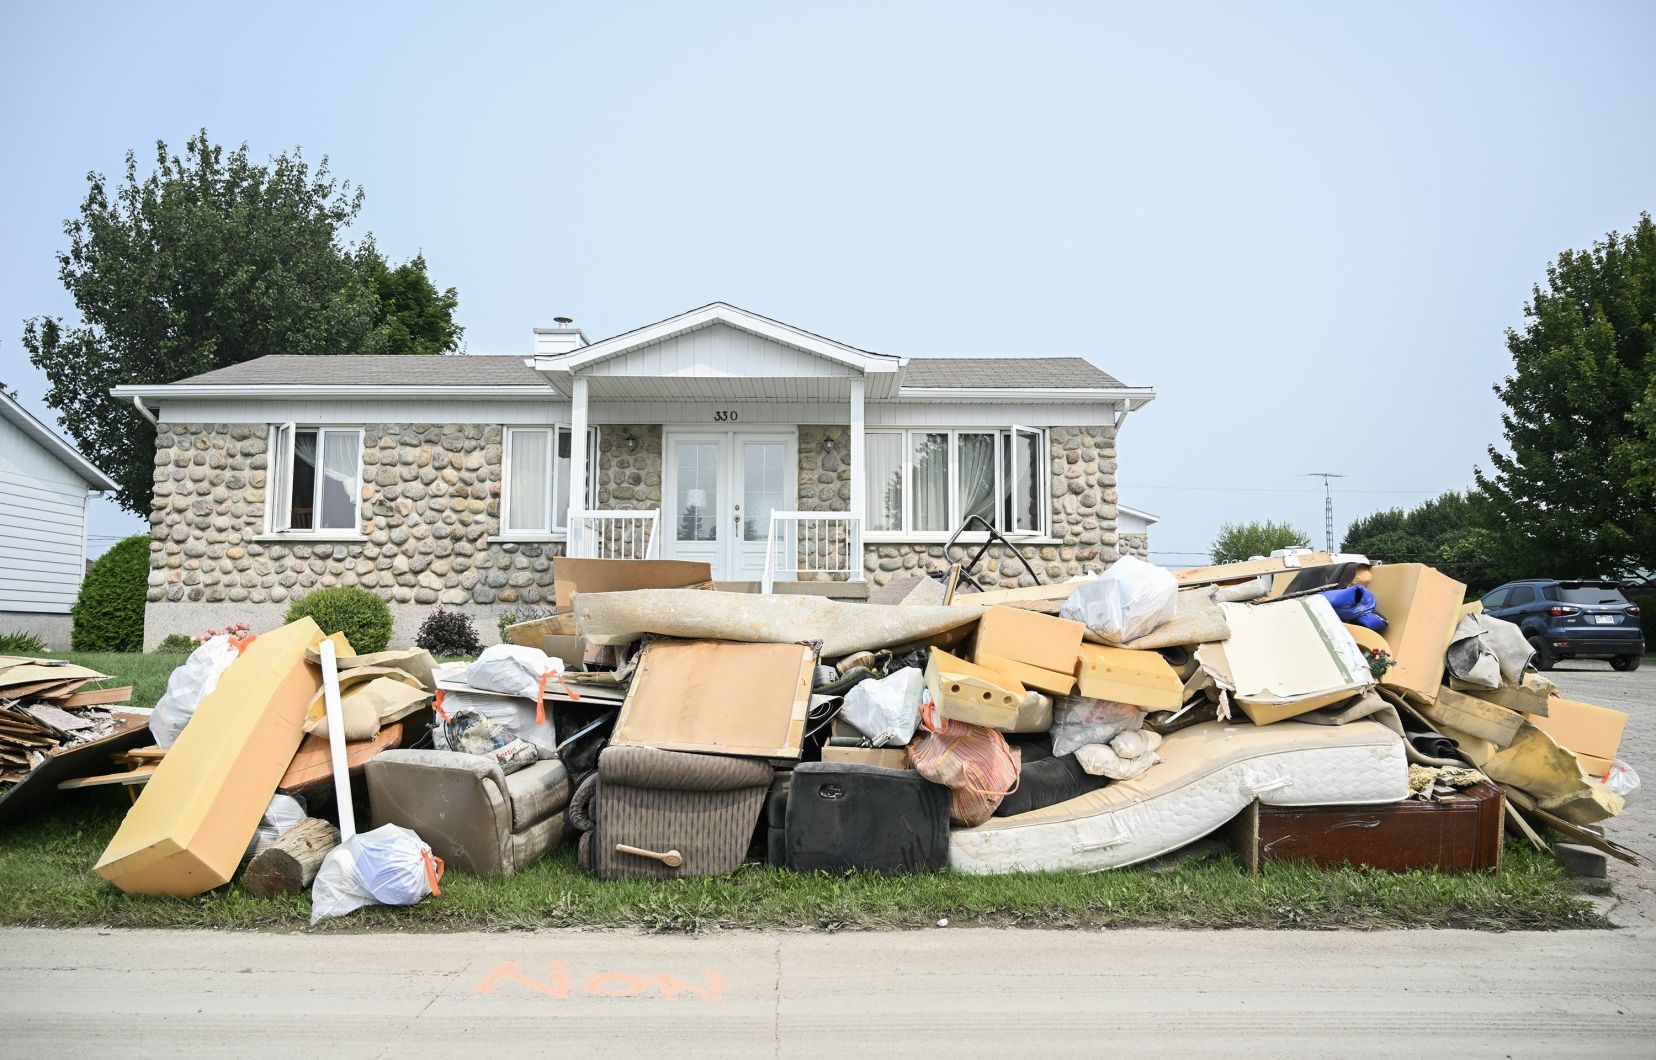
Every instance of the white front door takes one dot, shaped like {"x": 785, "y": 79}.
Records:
{"x": 719, "y": 490}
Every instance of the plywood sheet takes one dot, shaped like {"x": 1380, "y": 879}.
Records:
{"x": 719, "y": 697}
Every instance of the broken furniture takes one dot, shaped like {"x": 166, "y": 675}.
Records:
{"x": 1456, "y": 833}
{"x": 1286, "y": 657}
{"x": 667, "y": 814}
{"x": 473, "y": 815}
{"x": 1422, "y": 608}
{"x": 992, "y": 538}
{"x": 843, "y": 817}
{"x": 1209, "y": 773}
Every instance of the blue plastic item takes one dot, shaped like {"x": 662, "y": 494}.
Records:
{"x": 1355, "y": 604}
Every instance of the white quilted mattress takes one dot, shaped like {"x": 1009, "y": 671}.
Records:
{"x": 1208, "y": 774}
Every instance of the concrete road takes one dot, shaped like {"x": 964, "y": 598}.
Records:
{"x": 940, "y": 993}
{"x": 1593, "y": 681}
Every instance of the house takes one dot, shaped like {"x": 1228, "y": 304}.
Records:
{"x": 45, "y": 489}
{"x": 770, "y": 452}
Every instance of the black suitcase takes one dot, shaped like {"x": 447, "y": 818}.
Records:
{"x": 843, "y": 816}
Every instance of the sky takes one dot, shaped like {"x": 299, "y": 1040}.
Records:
{"x": 1307, "y": 226}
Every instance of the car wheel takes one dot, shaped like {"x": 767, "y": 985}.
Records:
{"x": 1543, "y": 654}
{"x": 1626, "y": 662}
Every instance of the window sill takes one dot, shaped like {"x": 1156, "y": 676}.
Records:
{"x": 327, "y": 537}
{"x": 888, "y": 538}
{"x": 555, "y": 537}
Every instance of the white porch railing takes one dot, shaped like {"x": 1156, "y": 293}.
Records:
{"x": 614, "y": 535}
{"x": 813, "y": 543}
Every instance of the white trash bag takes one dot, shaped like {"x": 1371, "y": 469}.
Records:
{"x": 512, "y": 670}
{"x": 283, "y": 813}
{"x": 1621, "y": 779}
{"x": 188, "y": 685}
{"x": 886, "y": 710}
{"x": 1124, "y": 603}
{"x": 388, "y": 866}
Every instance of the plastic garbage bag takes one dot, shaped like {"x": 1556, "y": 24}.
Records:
{"x": 1124, "y": 603}
{"x": 388, "y": 866}
{"x": 511, "y": 669}
{"x": 516, "y": 716}
{"x": 188, "y": 685}
{"x": 283, "y": 813}
{"x": 1621, "y": 779}
{"x": 473, "y": 733}
{"x": 887, "y": 710}
{"x": 1078, "y": 721}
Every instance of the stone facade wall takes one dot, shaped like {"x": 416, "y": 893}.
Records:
{"x": 824, "y": 486}
{"x": 1135, "y": 545}
{"x": 629, "y": 466}
{"x": 1084, "y": 539}
{"x": 430, "y": 511}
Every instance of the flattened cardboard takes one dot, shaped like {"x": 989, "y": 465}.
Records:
{"x": 1421, "y": 608}
{"x": 884, "y": 757}
{"x": 530, "y": 634}
{"x": 571, "y": 576}
{"x": 1592, "y": 733}
{"x": 719, "y": 697}
{"x": 1139, "y": 678}
{"x": 1252, "y": 568}
{"x": 1533, "y": 696}
{"x": 968, "y": 692}
{"x": 1030, "y": 676}
{"x": 1030, "y": 637}
{"x": 190, "y": 826}
{"x": 1486, "y": 721}
{"x": 1286, "y": 658}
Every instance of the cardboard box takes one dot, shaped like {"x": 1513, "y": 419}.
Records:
{"x": 1025, "y": 674}
{"x": 971, "y": 693}
{"x": 1593, "y": 734}
{"x": 884, "y": 757}
{"x": 719, "y": 697}
{"x": 1141, "y": 678}
{"x": 1029, "y": 637}
{"x": 571, "y": 576}
{"x": 1421, "y": 608}
{"x": 188, "y": 830}
{"x": 1286, "y": 658}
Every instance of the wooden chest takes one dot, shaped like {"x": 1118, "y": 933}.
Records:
{"x": 1459, "y": 833}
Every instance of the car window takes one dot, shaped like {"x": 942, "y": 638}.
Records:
{"x": 1496, "y": 599}
{"x": 1591, "y": 594}
{"x": 1521, "y": 595}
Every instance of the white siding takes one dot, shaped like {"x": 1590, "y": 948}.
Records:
{"x": 42, "y": 526}
{"x": 719, "y": 351}
{"x": 374, "y": 410}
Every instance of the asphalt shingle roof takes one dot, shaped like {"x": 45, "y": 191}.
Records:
{"x": 1009, "y": 372}
{"x": 374, "y": 370}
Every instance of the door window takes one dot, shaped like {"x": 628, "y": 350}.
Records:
{"x": 698, "y": 491}
{"x": 764, "y": 481}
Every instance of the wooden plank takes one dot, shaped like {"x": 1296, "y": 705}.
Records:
{"x": 312, "y": 765}
{"x": 97, "y": 697}
{"x": 140, "y": 775}
{"x": 1253, "y": 568}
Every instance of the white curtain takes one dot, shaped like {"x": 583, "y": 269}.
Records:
{"x": 529, "y": 487}
{"x": 977, "y": 476}
{"x": 341, "y": 463}
{"x": 929, "y": 481}
{"x": 884, "y": 456}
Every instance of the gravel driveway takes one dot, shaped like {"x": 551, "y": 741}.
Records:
{"x": 1592, "y": 681}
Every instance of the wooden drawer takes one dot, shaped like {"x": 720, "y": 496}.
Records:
{"x": 1459, "y": 833}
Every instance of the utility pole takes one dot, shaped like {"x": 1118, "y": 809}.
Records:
{"x": 1328, "y": 503}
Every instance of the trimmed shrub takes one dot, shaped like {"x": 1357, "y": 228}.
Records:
{"x": 176, "y": 644}
{"x": 21, "y": 644}
{"x": 448, "y": 633}
{"x": 364, "y": 618}
{"x": 109, "y": 612}
{"x": 522, "y": 614}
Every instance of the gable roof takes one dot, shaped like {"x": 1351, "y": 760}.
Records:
{"x": 24, "y": 420}
{"x": 1006, "y": 372}
{"x": 367, "y": 369}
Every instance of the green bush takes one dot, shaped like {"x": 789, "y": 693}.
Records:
{"x": 176, "y": 644}
{"x": 109, "y": 613}
{"x": 21, "y": 644}
{"x": 364, "y": 618}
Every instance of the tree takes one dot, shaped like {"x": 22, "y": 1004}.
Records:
{"x": 210, "y": 260}
{"x": 1448, "y": 532}
{"x": 1575, "y": 492}
{"x": 1240, "y": 541}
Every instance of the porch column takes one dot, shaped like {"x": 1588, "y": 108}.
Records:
{"x": 858, "y": 478}
{"x": 577, "y": 449}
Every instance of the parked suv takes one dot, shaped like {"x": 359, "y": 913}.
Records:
{"x": 1572, "y": 620}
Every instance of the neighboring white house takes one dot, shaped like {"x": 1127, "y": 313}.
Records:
{"x": 1133, "y": 528}
{"x": 766, "y": 450}
{"x": 45, "y": 488}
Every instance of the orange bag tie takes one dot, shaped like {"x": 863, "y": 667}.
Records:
{"x": 434, "y": 870}
{"x": 239, "y": 644}
{"x": 540, "y": 698}
{"x": 437, "y": 705}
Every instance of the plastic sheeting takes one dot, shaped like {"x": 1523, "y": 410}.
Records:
{"x": 699, "y": 614}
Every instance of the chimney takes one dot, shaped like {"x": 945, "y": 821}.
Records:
{"x": 565, "y": 337}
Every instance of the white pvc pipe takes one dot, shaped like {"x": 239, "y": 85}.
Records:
{"x": 336, "y": 740}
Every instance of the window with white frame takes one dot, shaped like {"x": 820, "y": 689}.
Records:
{"x": 929, "y": 481}
{"x": 315, "y": 480}
{"x": 537, "y": 474}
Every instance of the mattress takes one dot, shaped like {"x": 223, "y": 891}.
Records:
{"x": 1208, "y": 774}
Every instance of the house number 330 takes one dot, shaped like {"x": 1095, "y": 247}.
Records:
{"x": 724, "y": 416}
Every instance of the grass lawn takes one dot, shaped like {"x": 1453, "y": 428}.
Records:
{"x": 46, "y": 880}
{"x": 146, "y": 673}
